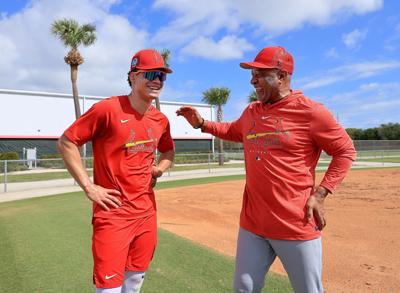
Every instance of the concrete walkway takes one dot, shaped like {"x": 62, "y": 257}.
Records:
{"x": 22, "y": 190}
{"x": 17, "y": 191}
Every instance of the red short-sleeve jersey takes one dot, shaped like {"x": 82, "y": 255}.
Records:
{"x": 123, "y": 142}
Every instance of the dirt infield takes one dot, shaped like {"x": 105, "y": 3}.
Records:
{"x": 361, "y": 241}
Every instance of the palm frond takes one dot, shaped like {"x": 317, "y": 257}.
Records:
{"x": 216, "y": 96}
{"x": 252, "y": 97}
{"x": 166, "y": 54}
{"x": 72, "y": 34}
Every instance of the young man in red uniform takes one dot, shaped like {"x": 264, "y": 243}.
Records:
{"x": 125, "y": 132}
{"x": 283, "y": 134}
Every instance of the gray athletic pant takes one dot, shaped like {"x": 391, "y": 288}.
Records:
{"x": 302, "y": 261}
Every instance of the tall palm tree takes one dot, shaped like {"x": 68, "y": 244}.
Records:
{"x": 166, "y": 54}
{"x": 217, "y": 97}
{"x": 252, "y": 97}
{"x": 72, "y": 35}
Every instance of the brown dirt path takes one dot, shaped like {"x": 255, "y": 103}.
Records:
{"x": 361, "y": 241}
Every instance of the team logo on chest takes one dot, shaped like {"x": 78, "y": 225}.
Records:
{"x": 136, "y": 145}
{"x": 266, "y": 135}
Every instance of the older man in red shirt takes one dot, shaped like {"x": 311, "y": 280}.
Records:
{"x": 283, "y": 134}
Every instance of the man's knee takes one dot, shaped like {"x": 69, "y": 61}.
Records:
{"x": 245, "y": 283}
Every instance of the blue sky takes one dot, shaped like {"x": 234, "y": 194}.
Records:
{"x": 347, "y": 52}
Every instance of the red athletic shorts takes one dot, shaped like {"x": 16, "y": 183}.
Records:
{"x": 121, "y": 245}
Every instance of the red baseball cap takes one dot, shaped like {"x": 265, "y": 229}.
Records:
{"x": 272, "y": 57}
{"x": 149, "y": 59}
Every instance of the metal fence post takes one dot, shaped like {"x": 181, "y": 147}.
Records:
{"x": 5, "y": 176}
{"x": 209, "y": 164}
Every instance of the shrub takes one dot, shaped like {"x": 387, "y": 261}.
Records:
{"x": 11, "y": 166}
{"x": 57, "y": 163}
{"x": 9, "y": 156}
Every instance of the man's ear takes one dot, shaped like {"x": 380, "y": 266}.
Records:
{"x": 282, "y": 75}
{"x": 131, "y": 76}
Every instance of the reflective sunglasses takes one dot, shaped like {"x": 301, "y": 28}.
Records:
{"x": 152, "y": 75}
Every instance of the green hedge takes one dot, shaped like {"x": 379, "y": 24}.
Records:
{"x": 11, "y": 166}
{"x": 52, "y": 164}
{"x": 9, "y": 156}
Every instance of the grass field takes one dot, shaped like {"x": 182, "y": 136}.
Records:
{"x": 45, "y": 246}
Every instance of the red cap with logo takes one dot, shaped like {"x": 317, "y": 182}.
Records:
{"x": 271, "y": 57}
{"x": 148, "y": 60}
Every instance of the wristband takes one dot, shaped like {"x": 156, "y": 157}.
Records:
{"x": 200, "y": 125}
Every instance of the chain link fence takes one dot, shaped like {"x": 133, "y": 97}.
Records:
{"x": 53, "y": 171}
{"x": 13, "y": 172}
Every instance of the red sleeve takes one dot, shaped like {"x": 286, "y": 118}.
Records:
{"x": 227, "y": 130}
{"x": 90, "y": 124}
{"x": 333, "y": 139}
{"x": 166, "y": 142}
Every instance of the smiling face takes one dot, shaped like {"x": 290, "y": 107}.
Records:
{"x": 144, "y": 88}
{"x": 267, "y": 83}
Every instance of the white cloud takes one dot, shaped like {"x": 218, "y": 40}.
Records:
{"x": 348, "y": 72}
{"x": 8, "y": 50}
{"x": 207, "y": 17}
{"x": 353, "y": 39}
{"x": 229, "y": 47}
{"x": 369, "y": 105}
{"x": 204, "y": 18}
{"x": 38, "y": 64}
{"x": 332, "y": 53}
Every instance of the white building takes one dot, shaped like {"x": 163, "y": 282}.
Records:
{"x": 36, "y": 119}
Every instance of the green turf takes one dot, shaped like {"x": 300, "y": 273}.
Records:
{"x": 378, "y": 154}
{"x": 381, "y": 160}
{"x": 45, "y": 246}
{"x": 30, "y": 177}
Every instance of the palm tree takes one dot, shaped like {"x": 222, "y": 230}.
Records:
{"x": 252, "y": 97}
{"x": 217, "y": 97}
{"x": 166, "y": 54}
{"x": 72, "y": 35}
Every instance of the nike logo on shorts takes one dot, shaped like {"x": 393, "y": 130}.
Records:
{"x": 109, "y": 277}
{"x": 124, "y": 121}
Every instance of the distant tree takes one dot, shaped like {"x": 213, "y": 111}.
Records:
{"x": 355, "y": 133}
{"x": 73, "y": 35}
{"x": 370, "y": 134}
{"x": 390, "y": 131}
{"x": 252, "y": 97}
{"x": 217, "y": 97}
{"x": 166, "y": 54}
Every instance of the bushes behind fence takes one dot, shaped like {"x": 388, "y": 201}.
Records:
{"x": 11, "y": 166}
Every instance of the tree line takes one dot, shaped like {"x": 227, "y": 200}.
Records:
{"x": 390, "y": 131}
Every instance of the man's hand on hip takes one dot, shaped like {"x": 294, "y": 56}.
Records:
{"x": 104, "y": 197}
